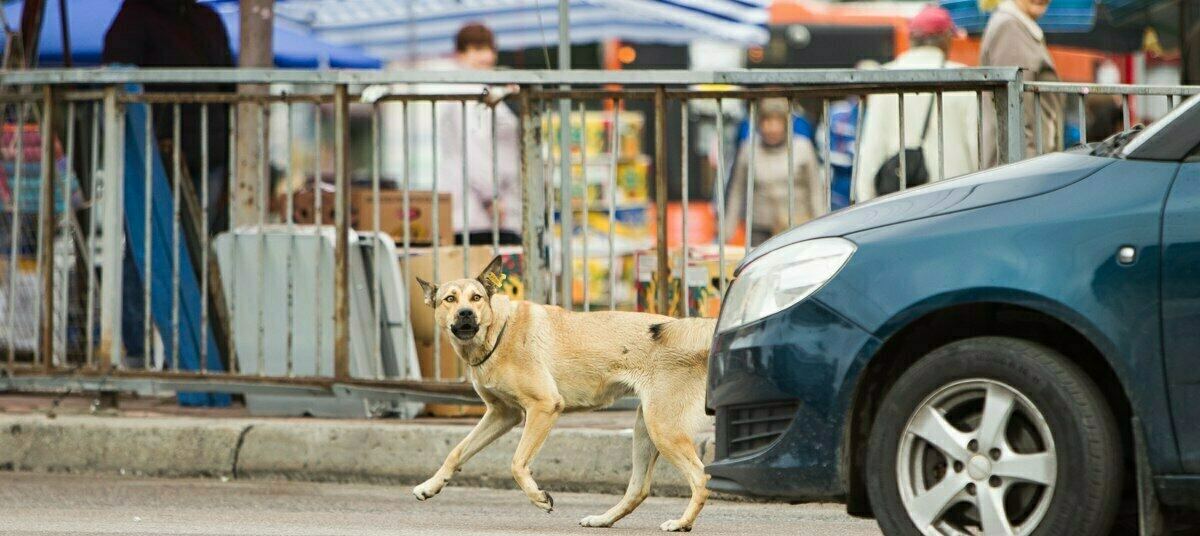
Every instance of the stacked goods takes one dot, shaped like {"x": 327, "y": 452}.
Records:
{"x": 31, "y": 171}
{"x": 592, "y": 189}
{"x": 597, "y": 134}
{"x": 703, "y": 275}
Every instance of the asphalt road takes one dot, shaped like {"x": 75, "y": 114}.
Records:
{"x": 59, "y": 504}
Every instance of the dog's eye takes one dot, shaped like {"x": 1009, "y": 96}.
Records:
{"x": 451, "y": 299}
{"x": 476, "y": 297}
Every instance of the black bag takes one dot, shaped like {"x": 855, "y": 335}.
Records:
{"x": 887, "y": 179}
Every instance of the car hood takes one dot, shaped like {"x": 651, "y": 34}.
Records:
{"x": 997, "y": 185}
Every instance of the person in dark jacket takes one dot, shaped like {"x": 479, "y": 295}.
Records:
{"x": 179, "y": 33}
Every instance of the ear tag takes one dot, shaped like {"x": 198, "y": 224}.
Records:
{"x": 496, "y": 280}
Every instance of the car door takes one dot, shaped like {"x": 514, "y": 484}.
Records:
{"x": 1181, "y": 309}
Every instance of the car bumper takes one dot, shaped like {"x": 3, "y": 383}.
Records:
{"x": 778, "y": 388}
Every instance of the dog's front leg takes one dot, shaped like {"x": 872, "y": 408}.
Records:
{"x": 540, "y": 417}
{"x": 495, "y": 422}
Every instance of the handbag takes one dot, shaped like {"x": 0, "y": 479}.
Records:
{"x": 887, "y": 179}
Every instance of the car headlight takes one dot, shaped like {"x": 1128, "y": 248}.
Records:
{"x": 781, "y": 279}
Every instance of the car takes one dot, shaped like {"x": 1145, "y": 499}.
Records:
{"x": 1014, "y": 351}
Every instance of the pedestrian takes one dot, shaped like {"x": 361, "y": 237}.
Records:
{"x": 180, "y": 33}
{"x": 1013, "y": 38}
{"x": 1104, "y": 116}
{"x": 843, "y": 121}
{"x": 878, "y": 169}
{"x": 475, "y": 49}
{"x": 770, "y": 210}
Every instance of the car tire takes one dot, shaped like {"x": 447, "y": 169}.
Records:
{"x": 1046, "y": 459}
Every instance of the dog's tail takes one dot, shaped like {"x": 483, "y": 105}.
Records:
{"x": 685, "y": 339}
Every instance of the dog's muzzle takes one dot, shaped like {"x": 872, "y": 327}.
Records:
{"x": 465, "y": 325}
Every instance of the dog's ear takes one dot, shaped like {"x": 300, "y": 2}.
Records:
{"x": 490, "y": 277}
{"x": 430, "y": 291}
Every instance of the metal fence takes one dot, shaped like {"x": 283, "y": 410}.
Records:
{"x": 122, "y": 222}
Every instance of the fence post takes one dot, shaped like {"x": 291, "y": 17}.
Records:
{"x": 565, "y": 210}
{"x": 660, "y": 197}
{"x": 341, "y": 251}
{"x": 46, "y": 236}
{"x": 533, "y": 204}
{"x": 112, "y": 194}
{"x": 1012, "y": 124}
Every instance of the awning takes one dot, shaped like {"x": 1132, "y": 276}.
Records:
{"x": 397, "y": 28}
{"x": 89, "y": 20}
{"x": 1063, "y": 16}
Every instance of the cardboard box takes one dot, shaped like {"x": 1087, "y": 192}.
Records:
{"x": 391, "y": 213}
{"x": 392, "y": 216}
{"x": 450, "y": 366}
{"x": 703, "y": 265}
{"x": 304, "y": 207}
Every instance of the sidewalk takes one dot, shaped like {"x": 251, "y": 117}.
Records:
{"x": 152, "y": 437}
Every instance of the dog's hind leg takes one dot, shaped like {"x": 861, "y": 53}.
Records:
{"x": 644, "y": 456}
{"x": 540, "y": 416}
{"x": 495, "y": 422}
{"x": 672, "y": 422}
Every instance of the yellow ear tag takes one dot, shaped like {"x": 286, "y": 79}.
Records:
{"x": 496, "y": 280}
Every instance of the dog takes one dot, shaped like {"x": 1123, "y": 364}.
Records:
{"x": 539, "y": 361}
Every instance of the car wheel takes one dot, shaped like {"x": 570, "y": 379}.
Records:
{"x": 994, "y": 436}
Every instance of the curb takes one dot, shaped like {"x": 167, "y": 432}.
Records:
{"x": 378, "y": 452}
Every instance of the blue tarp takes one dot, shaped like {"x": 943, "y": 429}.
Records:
{"x": 160, "y": 253}
{"x": 90, "y": 19}
{"x": 426, "y": 28}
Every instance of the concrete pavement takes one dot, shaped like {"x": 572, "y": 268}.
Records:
{"x": 62, "y": 504}
{"x": 380, "y": 451}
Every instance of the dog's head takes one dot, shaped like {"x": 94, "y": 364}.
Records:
{"x": 464, "y": 306}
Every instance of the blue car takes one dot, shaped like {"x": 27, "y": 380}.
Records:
{"x": 1011, "y": 352}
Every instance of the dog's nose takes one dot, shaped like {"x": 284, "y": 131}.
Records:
{"x": 465, "y": 313}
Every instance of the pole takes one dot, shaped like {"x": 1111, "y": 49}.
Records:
{"x": 341, "y": 215}
{"x": 257, "y": 19}
{"x": 660, "y": 198}
{"x": 64, "y": 29}
{"x": 1189, "y": 42}
{"x": 564, "y": 140}
{"x": 46, "y": 248}
{"x": 32, "y": 15}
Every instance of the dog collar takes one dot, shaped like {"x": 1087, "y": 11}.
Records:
{"x": 494, "y": 346}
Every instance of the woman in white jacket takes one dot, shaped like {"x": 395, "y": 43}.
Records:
{"x": 930, "y": 33}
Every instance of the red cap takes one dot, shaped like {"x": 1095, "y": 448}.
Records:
{"x": 932, "y": 20}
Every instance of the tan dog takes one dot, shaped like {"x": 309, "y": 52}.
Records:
{"x": 539, "y": 361}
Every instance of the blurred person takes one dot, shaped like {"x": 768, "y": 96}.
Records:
{"x": 1013, "y": 38}
{"x": 771, "y": 177}
{"x": 801, "y": 127}
{"x": 930, "y": 32}
{"x": 179, "y": 33}
{"x": 475, "y": 49}
{"x": 843, "y": 132}
{"x": 173, "y": 33}
{"x": 843, "y": 123}
{"x": 1104, "y": 116}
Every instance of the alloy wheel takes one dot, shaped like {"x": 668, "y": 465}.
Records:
{"x": 976, "y": 457}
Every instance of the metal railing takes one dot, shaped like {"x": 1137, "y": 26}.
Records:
{"x": 277, "y": 303}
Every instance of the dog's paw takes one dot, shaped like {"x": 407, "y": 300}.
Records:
{"x": 427, "y": 489}
{"x": 675, "y": 525}
{"x": 545, "y": 502}
{"x": 595, "y": 521}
